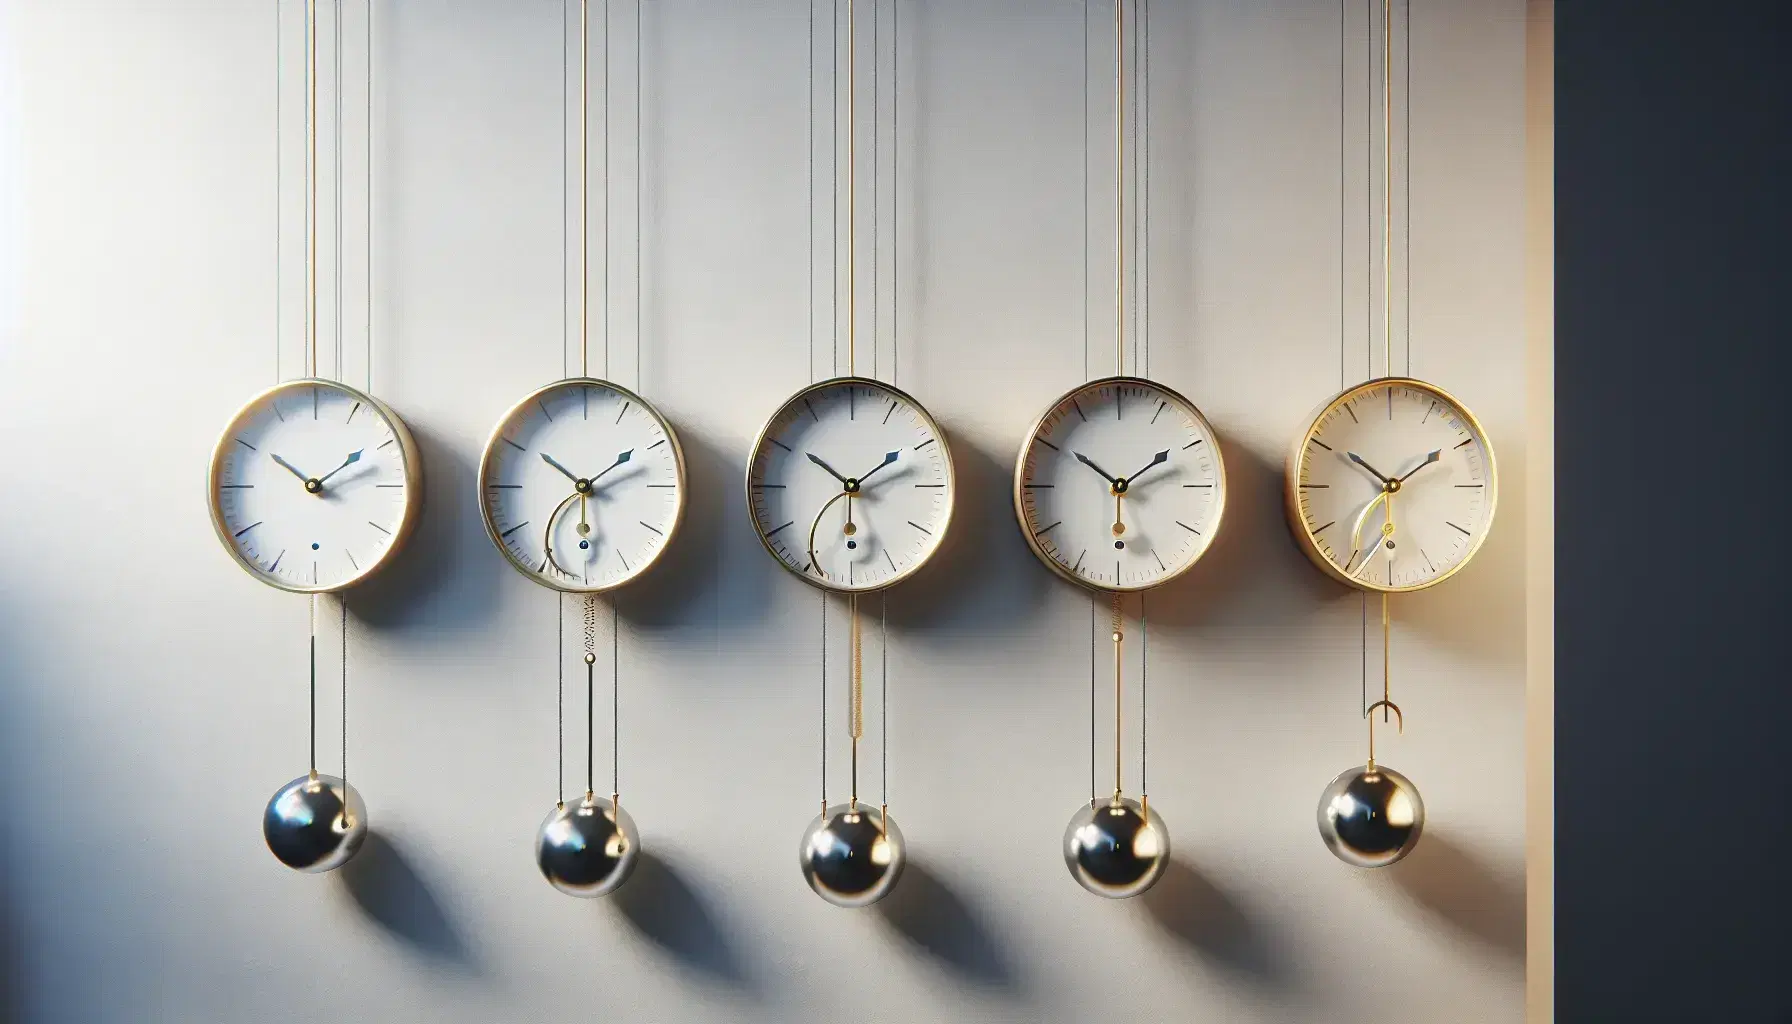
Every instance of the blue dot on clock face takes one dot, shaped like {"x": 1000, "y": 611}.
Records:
{"x": 852, "y": 545}
{"x": 584, "y": 545}
{"x": 314, "y": 545}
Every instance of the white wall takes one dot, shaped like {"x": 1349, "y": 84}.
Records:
{"x": 154, "y": 695}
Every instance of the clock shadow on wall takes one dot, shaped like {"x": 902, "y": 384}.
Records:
{"x": 386, "y": 887}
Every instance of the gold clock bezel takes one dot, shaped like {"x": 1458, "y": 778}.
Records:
{"x": 1309, "y": 544}
{"x": 408, "y": 455}
{"x": 757, "y": 453}
{"x": 485, "y": 468}
{"x": 1031, "y": 442}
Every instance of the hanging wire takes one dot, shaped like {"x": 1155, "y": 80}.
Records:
{"x": 876, "y": 169}
{"x": 1092, "y": 600}
{"x": 883, "y": 675}
{"x": 312, "y": 605}
{"x": 640, "y": 141}
{"x": 310, "y": 188}
{"x": 824, "y": 702}
{"x": 369, "y": 190}
{"x": 342, "y": 603}
{"x": 336, "y": 171}
{"x": 615, "y": 705}
{"x": 605, "y": 115}
{"x": 279, "y": 188}
{"x": 1406, "y": 188}
{"x": 1144, "y": 639}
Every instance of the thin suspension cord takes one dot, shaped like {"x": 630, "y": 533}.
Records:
{"x": 565, "y": 202}
{"x": 1406, "y": 189}
{"x": 279, "y": 186}
{"x": 584, "y": 188}
{"x": 605, "y": 115}
{"x": 811, "y": 182}
{"x": 369, "y": 189}
{"x": 336, "y": 171}
{"x": 1142, "y": 43}
{"x": 1120, "y": 189}
{"x": 310, "y": 188}
{"x": 1086, "y": 232}
{"x": 560, "y": 697}
{"x": 640, "y": 137}
{"x": 895, "y": 193}
{"x": 852, "y": 164}
{"x": 876, "y": 168}
{"x": 1387, "y": 187}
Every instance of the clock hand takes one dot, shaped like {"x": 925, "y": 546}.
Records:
{"x": 1163, "y": 456}
{"x": 889, "y": 457}
{"x": 549, "y": 459}
{"x": 1119, "y": 526}
{"x": 1113, "y": 481}
{"x": 827, "y": 467}
{"x": 353, "y": 457}
{"x": 1358, "y": 459}
{"x": 620, "y": 459}
{"x": 1386, "y": 543}
{"x": 1430, "y": 457}
{"x": 290, "y": 468}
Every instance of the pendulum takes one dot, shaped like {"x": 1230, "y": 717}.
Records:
{"x": 1118, "y": 847}
{"x": 1372, "y": 816}
{"x": 852, "y": 854}
{"x": 588, "y": 849}
{"x": 315, "y": 823}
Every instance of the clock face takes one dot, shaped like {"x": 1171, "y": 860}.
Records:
{"x": 314, "y": 486}
{"x": 1120, "y": 486}
{"x": 582, "y": 485}
{"x": 1392, "y": 487}
{"x": 850, "y": 485}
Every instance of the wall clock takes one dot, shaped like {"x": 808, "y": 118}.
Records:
{"x": 313, "y": 487}
{"x": 582, "y": 488}
{"x": 1119, "y": 487}
{"x": 850, "y": 487}
{"x": 1390, "y": 488}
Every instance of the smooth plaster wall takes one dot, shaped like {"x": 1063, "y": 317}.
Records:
{"x": 154, "y": 695}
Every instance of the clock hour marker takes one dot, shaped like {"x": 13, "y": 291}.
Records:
{"x": 1466, "y": 443}
{"x": 1049, "y": 529}
{"x": 1187, "y": 527}
{"x": 515, "y": 528}
{"x": 276, "y": 407}
{"x": 1048, "y": 444}
{"x": 892, "y": 561}
{"x": 389, "y": 485}
{"x": 778, "y": 443}
{"x": 624, "y": 411}
{"x": 769, "y": 487}
{"x": 1305, "y": 486}
{"x": 378, "y": 527}
{"x": 1079, "y": 410}
{"x": 656, "y": 444}
{"x": 246, "y": 529}
{"x": 1428, "y": 412}
{"x": 513, "y": 444}
{"x": 388, "y": 441}
{"x": 1079, "y": 561}
{"x": 624, "y": 558}
{"x": 247, "y": 445}
{"x": 1197, "y": 485}
{"x": 1320, "y": 443}
{"x": 276, "y": 566}
{"x": 923, "y": 444}
{"x": 1465, "y": 533}
{"x": 1352, "y": 413}
{"x": 662, "y": 485}
{"x": 774, "y": 532}
{"x": 918, "y": 526}
{"x": 930, "y": 485}
{"x": 1160, "y": 562}
{"x": 351, "y": 559}
{"x": 236, "y": 487}
{"x": 1191, "y": 444}
{"x": 650, "y": 526}
{"x": 887, "y": 413}
{"x": 1324, "y": 528}
{"x": 506, "y": 487}
{"x": 1159, "y": 412}
{"x": 351, "y": 413}
{"x": 811, "y": 409}
{"x": 1030, "y": 487}
{"x": 1460, "y": 486}
{"x": 314, "y": 403}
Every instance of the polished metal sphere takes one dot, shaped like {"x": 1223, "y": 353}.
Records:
{"x": 852, "y": 855}
{"x": 305, "y": 826}
{"x": 1371, "y": 817}
{"x": 588, "y": 848}
{"x": 1113, "y": 849}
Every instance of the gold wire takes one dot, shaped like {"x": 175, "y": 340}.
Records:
{"x": 852, "y": 217}
{"x": 1120, "y": 188}
{"x": 856, "y": 715}
{"x": 1387, "y": 186}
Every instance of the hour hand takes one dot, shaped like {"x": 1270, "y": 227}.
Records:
{"x": 1358, "y": 459}
{"x": 289, "y": 467}
{"x": 827, "y": 467}
{"x": 549, "y": 459}
{"x": 1104, "y": 474}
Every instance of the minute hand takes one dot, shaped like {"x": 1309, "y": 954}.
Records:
{"x": 1160, "y": 457}
{"x": 1430, "y": 457}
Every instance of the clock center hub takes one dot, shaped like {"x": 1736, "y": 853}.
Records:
{"x": 852, "y": 486}
{"x": 314, "y": 486}
{"x": 582, "y": 486}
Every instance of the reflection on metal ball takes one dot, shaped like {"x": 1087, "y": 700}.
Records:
{"x": 852, "y": 855}
{"x": 588, "y": 848}
{"x": 305, "y": 826}
{"x": 1371, "y": 817}
{"x": 1116, "y": 848}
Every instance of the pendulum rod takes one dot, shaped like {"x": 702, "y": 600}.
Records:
{"x": 1144, "y": 641}
{"x": 560, "y": 701}
{"x": 313, "y": 754}
{"x": 615, "y": 706}
{"x": 856, "y": 695}
{"x": 883, "y": 678}
{"x": 342, "y": 604}
{"x": 824, "y": 703}
{"x": 1119, "y": 639}
{"x": 590, "y": 701}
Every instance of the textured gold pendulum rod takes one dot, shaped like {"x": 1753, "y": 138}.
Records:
{"x": 1120, "y": 190}
{"x": 856, "y": 696}
{"x": 590, "y": 692}
{"x": 1119, "y": 638}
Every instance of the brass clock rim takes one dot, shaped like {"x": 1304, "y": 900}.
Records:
{"x": 1032, "y": 436}
{"x": 1304, "y": 538}
{"x": 408, "y": 454}
{"x": 945, "y": 446}
{"x": 485, "y": 463}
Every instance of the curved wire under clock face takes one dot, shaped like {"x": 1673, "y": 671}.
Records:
{"x": 314, "y": 486}
{"x": 1392, "y": 486}
{"x": 582, "y": 486}
{"x": 850, "y": 485}
{"x": 1120, "y": 486}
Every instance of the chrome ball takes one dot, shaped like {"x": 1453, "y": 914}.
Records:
{"x": 587, "y": 849}
{"x": 1114, "y": 849}
{"x": 1371, "y": 817}
{"x": 852, "y": 855}
{"x": 306, "y": 827}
